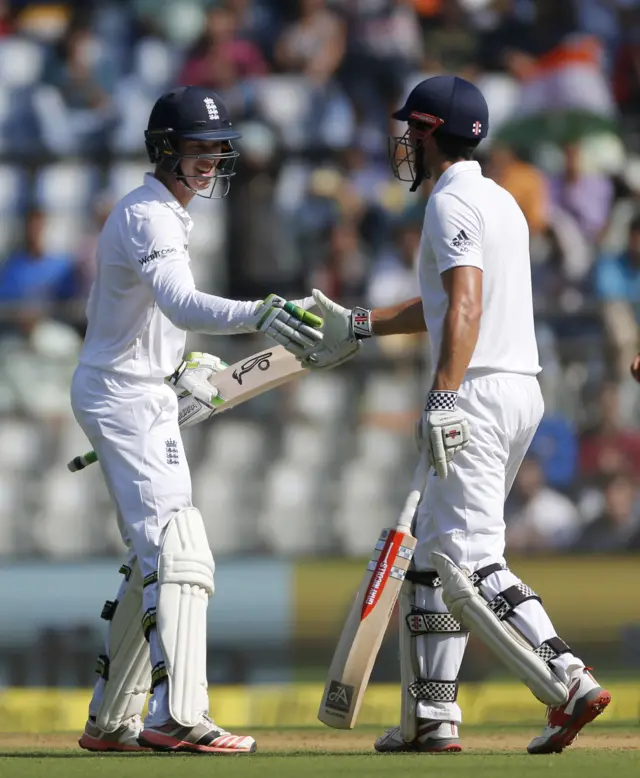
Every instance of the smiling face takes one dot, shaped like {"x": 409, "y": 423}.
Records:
{"x": 200, "y": 160}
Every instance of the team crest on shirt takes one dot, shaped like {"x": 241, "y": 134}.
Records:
{"x": 171, "y": 448}
{"x": 461, "y": 242}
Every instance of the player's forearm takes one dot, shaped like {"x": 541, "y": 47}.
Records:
{"x": 196, "y": 311}
{"x": 405, "y": 318}
{"x": 459, "y": 338}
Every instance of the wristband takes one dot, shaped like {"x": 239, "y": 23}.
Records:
{"x": 441, "y": 401}
{"x": 361, "y": 323}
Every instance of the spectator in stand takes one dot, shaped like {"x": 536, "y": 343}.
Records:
{"x": 6, "y": 24}
{"x": 32, "y": 275}
{"x": 314, "y": 44}
{"x": 587, "y": 196}
{"x": 555, "y": 446}
{"x": 86, "y": 77}
{"x": 451, "y": 43}
{"x": 394, "y": 276}
{"x": 221, "y": 52}
{"x": 609, "y": 448}
{"x": 626, "y": 70}
{"x": 525, "y": 182}
{"x": 538, "y": 517}
{"x": 386, "y": 49}
{"x": 616, "y": 528}
{"x": 345, "y": 265}
{"x": 616, "y": 282}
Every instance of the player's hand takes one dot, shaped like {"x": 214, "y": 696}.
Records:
{"x": 635, "y": 368}
{"x": 190, "y": 381}
{"x": 289, "y": 322}
{"x": 443, "y": 429}
{"x": 342, "y": 333}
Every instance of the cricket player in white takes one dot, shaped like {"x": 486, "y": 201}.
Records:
{"x": 142, "y": 304}
{"x": 482, "y": 410}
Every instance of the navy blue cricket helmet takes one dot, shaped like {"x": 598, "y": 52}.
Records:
{"x": 448, "y": 105}
{"x": 193, "y": 113}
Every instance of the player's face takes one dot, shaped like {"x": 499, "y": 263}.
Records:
{"x": 197, "y": 163}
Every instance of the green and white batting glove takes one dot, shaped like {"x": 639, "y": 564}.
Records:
{"x": 342, "y": 333}
{"x": 288, "y": 322}
{"x": 190, "y": 381}
{"x": 443, "y": 429}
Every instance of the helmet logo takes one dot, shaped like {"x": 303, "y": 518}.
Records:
{"x": 477, "y": 128}
{"x": 212, "y": 108}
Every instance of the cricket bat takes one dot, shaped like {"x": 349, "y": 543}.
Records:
{"x": 236, "y": 384}
{"x": 369, "y": 617}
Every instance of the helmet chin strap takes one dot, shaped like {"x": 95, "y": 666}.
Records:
{"x": 421, "y": 172}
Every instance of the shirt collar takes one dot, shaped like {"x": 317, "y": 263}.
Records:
{"x": 166, "y": 197}
{"x": 468, "y": 166}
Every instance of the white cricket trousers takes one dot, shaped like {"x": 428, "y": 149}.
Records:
{"x": 132, "y": 425}
{"x": 462, "y": 516}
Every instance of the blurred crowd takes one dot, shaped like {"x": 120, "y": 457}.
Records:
{"x": 311, "y": 84}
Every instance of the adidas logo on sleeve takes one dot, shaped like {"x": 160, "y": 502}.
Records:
{"x": 461, "y": 242}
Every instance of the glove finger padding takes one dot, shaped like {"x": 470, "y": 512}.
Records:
{"x": 324, "y": 359}
{"x": 437, "y": 451}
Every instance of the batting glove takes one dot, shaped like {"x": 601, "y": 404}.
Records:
{"x": 342, "y": 332}
{"x": 288, "y": 322}
{"x": 444, "y": 429}
{"x": 190, "y": 381}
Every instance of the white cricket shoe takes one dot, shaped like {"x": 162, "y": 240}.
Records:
{"x": 206, "y": 737}
{"x": 435, "y": 737}
{"x": 587, "y": 700}
{"x": 125, "y": 738}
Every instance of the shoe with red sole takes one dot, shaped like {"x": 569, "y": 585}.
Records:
{"x": 434, "y": 737}
{"x": 123, "y": 739}
{"x": 205, "y": 737}
{"x": 587, "y": 700}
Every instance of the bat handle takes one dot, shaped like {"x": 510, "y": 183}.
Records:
{"x": 82, "y": 461}
{"x": 413, "y": 500}
{"x": 408, "y": 512}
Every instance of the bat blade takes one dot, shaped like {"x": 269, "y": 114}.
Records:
{"x": 254, "y": 375}
{"x": 365, "y": 627}
{"x": 238, "y": 383}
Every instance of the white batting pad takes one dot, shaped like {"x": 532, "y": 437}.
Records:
{"x": 470, "y": 608}
{"x": 185, "y": 583}
{"x": 408, "y": 665}
{"x": 126, "y": 690}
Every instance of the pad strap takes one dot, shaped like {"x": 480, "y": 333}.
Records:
{"x": 552, "y": 649}
{"x": 421, "y": 622}
{"x": 109, "y": 610}
{"x": 431, "y": 578}
{"x": 504, "y": 603}
{"x": 150, "y": 579}
{"x": 148, "y": 622}
{"x": 102, "y": 666}
{"x": 158, "y": 674}
{"x": 434, "y": 690}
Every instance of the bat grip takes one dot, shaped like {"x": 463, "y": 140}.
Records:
{"x": 82, "y": 461}
{"x": 408, "y": 512}
{"x": 413, "y": 500}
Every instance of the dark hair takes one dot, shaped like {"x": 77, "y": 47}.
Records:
{"x": 635, "y": 224}
{"x": 455, "y": 147}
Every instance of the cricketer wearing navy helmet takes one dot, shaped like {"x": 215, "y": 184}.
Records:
{"x": 482, "y": 408}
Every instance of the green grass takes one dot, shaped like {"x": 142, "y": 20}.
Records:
{"x": 570, "y": 765}
{"x": 493, "y": 759}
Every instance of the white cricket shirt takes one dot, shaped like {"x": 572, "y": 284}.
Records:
{"x": 470, "y": 220}
{"x": 144, "y": 298}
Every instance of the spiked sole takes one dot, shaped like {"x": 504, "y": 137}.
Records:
{"x": 416, "y": 748}
{"x": 96, "y": 745}
{"x": 586, "y": 711}
{"x": 160, "y": 742}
